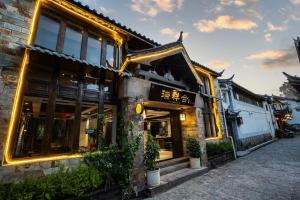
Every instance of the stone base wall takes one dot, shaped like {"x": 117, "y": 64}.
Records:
{"x": 193, "y": 127}
{"x": 246, "y": 143}
{"x": 130, "y": 118}
{"x": 9, "y": 174}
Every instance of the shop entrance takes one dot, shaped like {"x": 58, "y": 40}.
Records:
{"x": 165, "y": 127}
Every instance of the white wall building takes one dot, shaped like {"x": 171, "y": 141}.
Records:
{"x": 249, "y": 117}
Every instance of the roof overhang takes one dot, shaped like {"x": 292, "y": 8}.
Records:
{"x": 146, "y": 57}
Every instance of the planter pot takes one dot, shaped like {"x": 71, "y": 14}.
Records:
{"x": 153, "y": 178}
{"x": 195, "y": 163}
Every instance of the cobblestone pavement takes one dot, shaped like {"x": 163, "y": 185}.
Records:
{"x": 271, "y": 173}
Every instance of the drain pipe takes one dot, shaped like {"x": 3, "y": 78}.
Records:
{"x": 226, "y": 130}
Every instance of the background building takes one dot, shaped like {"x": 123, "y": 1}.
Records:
{"x": 249, "y": 116}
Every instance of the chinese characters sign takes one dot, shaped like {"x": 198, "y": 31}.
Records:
{"x": 171, "y": 95}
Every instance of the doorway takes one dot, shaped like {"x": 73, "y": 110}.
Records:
{"x": 165, "y": 127}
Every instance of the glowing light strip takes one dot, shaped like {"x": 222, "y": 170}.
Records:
{"x": 143, "y": 57}
{"x": 215, "y": 106}
{"x": 88, "y": 17}
{"x": 7, "y": 156}
{"x": 43, "y": 159}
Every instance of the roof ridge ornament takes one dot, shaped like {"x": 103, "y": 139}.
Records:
{"x": 180, "y": 37}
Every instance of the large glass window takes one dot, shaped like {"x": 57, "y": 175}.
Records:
{"x": 110, "y": 54}
{"x": 209, "y": 120}
{"x": 93, "y": 55}
{"x": 47, "y": 33}
{"x": 72, "y": 43}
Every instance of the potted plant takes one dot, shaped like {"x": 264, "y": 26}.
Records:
{"x": 194, "y": 151}
{"x": 151, "y": 154}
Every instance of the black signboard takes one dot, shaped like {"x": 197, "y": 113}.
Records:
{"x": 171, "y": 95}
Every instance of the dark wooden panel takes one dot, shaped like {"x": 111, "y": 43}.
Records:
{"x": 37, "y": 88}
{"x": 176, "y": 134}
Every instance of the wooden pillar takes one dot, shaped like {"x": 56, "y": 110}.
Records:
{"x": 51, "y": 108}
{"x": 77, "y": 113}
{"x": 101, "y": 75}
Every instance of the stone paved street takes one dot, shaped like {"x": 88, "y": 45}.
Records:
{"x": 272, "y": 172}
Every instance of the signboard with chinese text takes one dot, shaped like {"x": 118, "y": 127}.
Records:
{"x": 171, "y": 95}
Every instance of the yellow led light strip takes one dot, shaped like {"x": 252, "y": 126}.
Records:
{"x": 88, "y": 17}
{"x": 215, "y": 106}
{"x": 147, "y": 56}
{"x": 7, "y": 155}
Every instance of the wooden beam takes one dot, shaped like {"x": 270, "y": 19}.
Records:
{"x": 77, "y": 114}
{"x": 51, "y": 108}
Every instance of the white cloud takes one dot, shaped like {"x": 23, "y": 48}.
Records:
{"x": 252, "y": 13}
{"x": 266, "y": 55}
{"x": 272, "y": 27}
{"x": 295, "y": 2}
{"x": 173, "y": 33}
{"x": 268, "y": 37}
{"x": 153, "y": 7}
{"x": 238, "y": 3}
{"x": 276, "y": 58}
{"x": 219, "y": 64}
{"x": 224, "y": 22}
{"x": 94, "y": 4}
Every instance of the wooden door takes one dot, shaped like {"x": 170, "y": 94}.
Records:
{"x": 176, "y": 134}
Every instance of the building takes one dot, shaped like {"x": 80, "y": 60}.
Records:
{"x": 282, "y": 111}
{"x": 287, "y": 110}
{"x": 249, "y": 116}
{"x": 297, "y": 45}
{"x": 64, "y": 66}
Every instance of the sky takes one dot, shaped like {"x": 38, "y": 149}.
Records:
{"x": 252, "y": 39}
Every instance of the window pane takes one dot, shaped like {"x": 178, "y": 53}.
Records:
{"x": 47, "y": 33}
{"x": 93, "y": 51}
{"x": 110, "y": 58}
{"x": 72, "y": 43}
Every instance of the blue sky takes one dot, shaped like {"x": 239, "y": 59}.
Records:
{"x": 252, "y": 39}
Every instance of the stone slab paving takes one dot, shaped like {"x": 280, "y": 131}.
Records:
{"x": 270, "y": 173}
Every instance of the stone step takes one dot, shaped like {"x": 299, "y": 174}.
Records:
{"x": 167, "y": 163}
{"x": 173, "y": 179}
{"x": 172, "y": 168}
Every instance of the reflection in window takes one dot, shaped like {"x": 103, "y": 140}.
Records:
{"x": 88, "y": 125}
{"x": 72, "y": 43}
{"x": 110, "y": 55}
{"x": 61, "y": 140}
{"x": 93, "y": 51}
{"x": 47, "y": 33}
{"x": 31, "y": 127}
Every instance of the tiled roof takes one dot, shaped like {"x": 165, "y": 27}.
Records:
{"x": 208, "y": 69}
{"x": 112, "y": 21}
{"x": 67, "y": 57}
{"x": 234, "y": 84}
{"x": 133, "y": 32}
{"x": 154, "y": 49}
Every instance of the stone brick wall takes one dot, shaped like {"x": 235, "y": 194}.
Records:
{"x": 129, "y": 116}
{"x": 15, "y": 20}
{"x": 193, "y": 126}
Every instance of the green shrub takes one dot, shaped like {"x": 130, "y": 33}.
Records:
{"x": 218, "y": 148}
{"x": 279, "y": 133}
{"x": 115, "y": 164}
{"x": 193, "y": 148}
{"x": 64, "y": 184}
{"x": 151, "y": 153}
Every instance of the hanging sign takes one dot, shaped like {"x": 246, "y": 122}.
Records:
{"x": 171, "y": 95}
